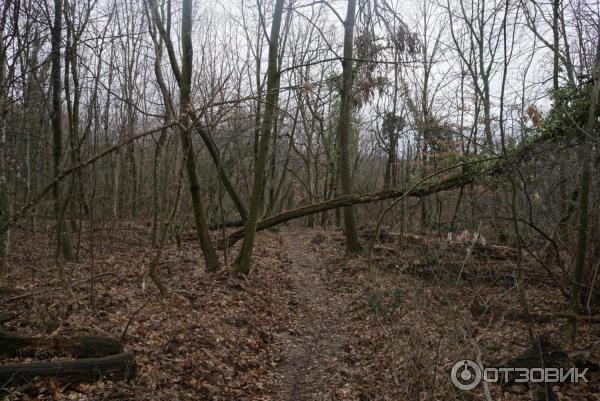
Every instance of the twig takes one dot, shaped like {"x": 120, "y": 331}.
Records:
{"x": 133, "y": 315}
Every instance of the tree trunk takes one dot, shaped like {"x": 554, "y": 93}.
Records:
{"x": 585, "y": 181}
{"x": 86, "y": 346}
{"x": 211, "y": 146}
{"x": 115, "y": 367}
{"x": 244, "y": 259}
{"x": 357, "y": 199}
{"x": 204, "y": 134}
{"x": 63, "y": 248}
{"x": 210, "y": 255}
{"x": 156, "y": 193}
{"x": 555, "y": 36}
{"x": 4, "y": 201}
{"x": 344, "y": 128}
{"x": 163, "y": 236}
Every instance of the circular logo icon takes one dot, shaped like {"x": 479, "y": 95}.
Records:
{"x": 466, "y": 375}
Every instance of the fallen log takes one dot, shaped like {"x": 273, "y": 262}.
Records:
{"x": 468, "y": 175}
{"x": 227, "y": 224}
{"x": 477, "y": 248}
{"x": 495, "y": 251}
{"x": 114, "y": 367}
{"x": 479, "y": 311}
{"x": 84, "y": 346}
{"x": 351, "y": 200}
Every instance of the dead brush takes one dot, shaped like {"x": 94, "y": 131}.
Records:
{"x": 424, "y": 319}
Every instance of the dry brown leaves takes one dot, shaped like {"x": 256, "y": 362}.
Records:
{"x": 390, "y": 334}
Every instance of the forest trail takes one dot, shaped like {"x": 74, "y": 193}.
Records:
{"x": 315, "y": 358}
{"x": 308, "y": 324}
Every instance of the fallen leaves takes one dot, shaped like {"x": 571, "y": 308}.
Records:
{"x": 307, "y": 319}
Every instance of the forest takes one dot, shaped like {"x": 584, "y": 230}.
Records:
{"x": 298, "y": 200}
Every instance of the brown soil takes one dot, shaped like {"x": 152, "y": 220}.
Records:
{"x": 315, "y": 346}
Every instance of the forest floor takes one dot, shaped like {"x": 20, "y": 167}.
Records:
{"x": 308, "y": 323}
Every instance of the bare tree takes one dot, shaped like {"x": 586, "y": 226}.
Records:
{"x": 63, "y": 245}
{"x": 4, "y": 201}
{"x": 244, "y": 258}
{"x": 344, "y": 127}
{"x": 585, "y": 180}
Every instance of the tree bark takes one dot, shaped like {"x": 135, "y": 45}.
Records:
{"x": 210, "y": 255}
{"x": 356, "y": 199}
{"x": 4, "y": 201}
{"x": 244, "y": 259}
{"x": 86, "y": 346}
{"x": 115, "y": 367}
{"x": 344, "y": 128}
{"x": 206, "y": 138}
{"x": 465, "y": 177}
{"x": 63, "y": 248}
{"x": 585, "y": 181}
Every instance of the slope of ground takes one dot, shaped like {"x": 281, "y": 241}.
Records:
{"x": 307, "y": 324}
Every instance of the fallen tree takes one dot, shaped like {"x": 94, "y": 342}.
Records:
{"x": 350, "y": 200}
{"x": 468, "y": 175}
{"x": 83, "y": 346}
{"x": 479, "y": 311}
{"x": 114, "y": 367}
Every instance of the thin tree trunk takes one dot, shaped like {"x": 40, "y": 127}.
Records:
{"x": 244, "y": 259}
{"x": 62, "y": 244}
{"x": 451, "y": 183}
{"x": 4, "y": 200}
{"x": 156, "y": 198}
{"x": 163, "y": 236}
{"x": 204, "y": 134}
{"x": 210, "y": 255}
{"x": 344, "y": 128}
{"x": 555, "y": 36}
{"x": 211, "y": 146}
{"x": 585, "y": 181}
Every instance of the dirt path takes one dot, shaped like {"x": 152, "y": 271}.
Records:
{"x": 316, "y": 361}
